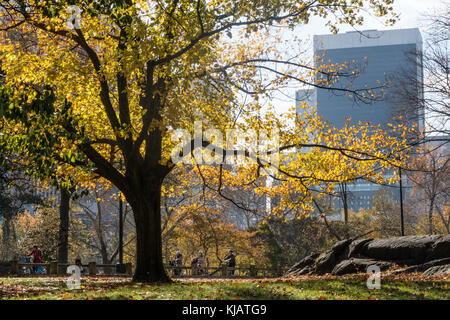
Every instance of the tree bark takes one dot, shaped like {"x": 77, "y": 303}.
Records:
{"x": 146, "y": 205}
{"x": 345, "y": 208}
{"x": 100, "y": 232}
{"x": 430, "y": 216}
{"x": 8, "y": 237}
{"x": 6, "y": 231}
{"x": 64, "y": 208}
{"x": 344, "y": 196}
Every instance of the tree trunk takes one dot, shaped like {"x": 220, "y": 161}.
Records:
{"x": 344, "y": 195}
{"x": 8, "y": 237}
{"x": 146, "y": 205}
{"x": 100, "y": 232}
{"x": 345, "y": 208}
{"x": 430, "y": 216}
{"x": 64, "y": 207}
{"x": 6, "y": 231}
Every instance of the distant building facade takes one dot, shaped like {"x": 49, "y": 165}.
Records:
{"x": 378, "y": 57}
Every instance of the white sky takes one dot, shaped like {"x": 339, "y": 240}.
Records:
{"x": 410, "y": 15}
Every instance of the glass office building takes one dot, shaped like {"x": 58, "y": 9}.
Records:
{"x": 378, "y": 57}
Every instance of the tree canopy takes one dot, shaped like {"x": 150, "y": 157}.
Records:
{"x": 119, "y": 81}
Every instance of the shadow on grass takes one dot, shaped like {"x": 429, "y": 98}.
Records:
{"x": 302, "y": 289}
{"x": 357, "y": 289}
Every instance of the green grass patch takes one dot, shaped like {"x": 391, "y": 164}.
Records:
{"x": 300, "y": 288}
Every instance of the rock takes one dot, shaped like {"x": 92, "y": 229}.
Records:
{"x": 427, "y": 265}
{"x": 341, "y": 249}
{"x": 307, "y": 261}
{"x": 420, "y": 253}
{"x": 305, "y": 270}
{"x": 440, "y": 249}
{"x": 358, "y": 247}
{"x": 325, "y": 262}
{"x": 321, "y": 263}
{"x": 340, "y": 246}
{"x": 443, "y": 270}
{"x": 401, "y": 248}
{"x": 355, "y": 265}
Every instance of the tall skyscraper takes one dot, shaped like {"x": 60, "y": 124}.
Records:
{"x": 377, "y": 57}
{"x": 380, "y": 57}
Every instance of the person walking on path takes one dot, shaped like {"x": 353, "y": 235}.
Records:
{"x": 178, "y": 262}
{"x": 37, "y": 257}
{"x": 201, "y": 262}
{"x": 230, "y": 260}
{"x": 79, "y": 264}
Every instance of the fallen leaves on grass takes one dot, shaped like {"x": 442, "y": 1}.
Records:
{"x": 9, "y": 290}
{"x": 301, "y": 287}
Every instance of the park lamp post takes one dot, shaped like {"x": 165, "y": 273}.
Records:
{"x": 120, "y": 267}
{"x": 402, "y": 220}
{"x": 120, "y": 231}
{"x": 401, "y": 202}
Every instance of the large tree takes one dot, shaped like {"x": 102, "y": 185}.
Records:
{"x": 135, "y": 70}
{"x": 32, "y": 164}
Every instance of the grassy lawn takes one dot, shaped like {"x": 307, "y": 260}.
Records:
{"x": 351, "y": 287}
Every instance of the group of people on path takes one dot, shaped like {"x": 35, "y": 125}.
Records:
{"x": 198, "y": 263}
